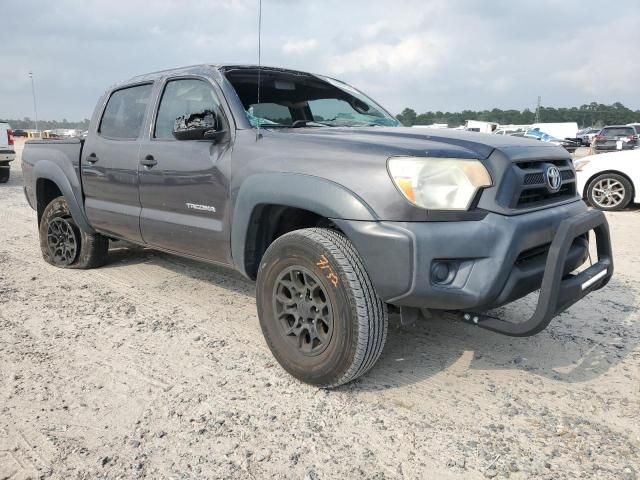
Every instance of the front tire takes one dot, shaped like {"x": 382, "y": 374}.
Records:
{"x": 64, "y": 245}
{"x": 319, "y": 313}
{"x": 609, "y": 192}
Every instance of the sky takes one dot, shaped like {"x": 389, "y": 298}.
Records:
{"x": 439, "y": 55}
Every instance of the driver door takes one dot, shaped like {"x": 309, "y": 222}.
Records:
{"x": 184, "y": 184}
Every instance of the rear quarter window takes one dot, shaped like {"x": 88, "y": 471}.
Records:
{"x": 272, "y": 112}
{"x": 123, "y": 116}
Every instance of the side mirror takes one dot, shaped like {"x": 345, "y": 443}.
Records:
{"x": 198, "y": 126}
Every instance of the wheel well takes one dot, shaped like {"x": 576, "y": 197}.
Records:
{"x": 616, "y": 172}
{"x": 267, "y": 223}
{"x": 46, "y": 191}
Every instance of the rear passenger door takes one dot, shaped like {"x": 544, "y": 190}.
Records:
{"x": 109, "y": 164}
{"x": 184, "y": 184}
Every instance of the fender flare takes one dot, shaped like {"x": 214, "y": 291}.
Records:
{"x": 48, "y": 170}
{"x": 318, "y": 195}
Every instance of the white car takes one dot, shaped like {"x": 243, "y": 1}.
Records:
{"x": 7, "y": 152}
{"x": 610, "y": 181}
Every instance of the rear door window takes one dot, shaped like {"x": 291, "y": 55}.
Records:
{"x": 124, "y": 114}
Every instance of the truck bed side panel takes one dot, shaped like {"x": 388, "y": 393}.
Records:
{"x": 59, "y": 162}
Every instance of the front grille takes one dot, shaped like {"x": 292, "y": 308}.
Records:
{"x": 539, "y": 195}
{"x": 533, "y": 178}
{"x": 533, "y": 191}
{"x": 538, "y": 178}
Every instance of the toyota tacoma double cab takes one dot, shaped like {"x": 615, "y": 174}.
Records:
{"x": 312, "y": 189}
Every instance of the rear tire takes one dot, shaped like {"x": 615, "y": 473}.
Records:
{"x": 4, "y": 175}
{"x": 609, "y": 192}
{"x": 64, "y": 245}
{"x": 319, "y": 313}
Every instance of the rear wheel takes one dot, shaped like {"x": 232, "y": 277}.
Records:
{"x": 64, "y": 245}
{"x": 318, "y": 310}
{"x": 4, "y": 175}
{"x": 609, "y": 191}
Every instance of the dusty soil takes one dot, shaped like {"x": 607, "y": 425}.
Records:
{"x": 154, "y": 366}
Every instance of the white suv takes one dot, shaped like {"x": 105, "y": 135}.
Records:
{"x": 7, "y": 153}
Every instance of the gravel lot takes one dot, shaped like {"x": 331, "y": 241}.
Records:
{"x": 154, "y": 366}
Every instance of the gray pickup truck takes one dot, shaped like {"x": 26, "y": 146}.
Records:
{"x": 309, "y": 187}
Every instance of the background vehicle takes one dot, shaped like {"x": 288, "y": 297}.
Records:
{"x": 314, "y": 190}
{"x": 615, "y": 137}
{"x": 7, "y": 152}
{"x": 560, "y": 130}
{"x": 510, "y": 131}
{"x": 636, "y": 126}
{"x": 537, "y": 134}
{"x": 20, "y": 133}
{"x": 610, "y": 181}
{"x": 587, "y": 135}
{"x": 480, "y": 126}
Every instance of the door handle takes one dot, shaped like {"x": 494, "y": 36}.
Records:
{"x": 92, "y": 158}
{"x": 148, "y": 161}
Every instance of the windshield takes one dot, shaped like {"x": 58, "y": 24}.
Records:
{"x": 296, "y": 99}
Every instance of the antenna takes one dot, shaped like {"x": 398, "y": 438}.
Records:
{"x": 259, "y": 60}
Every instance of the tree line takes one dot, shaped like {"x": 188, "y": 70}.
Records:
{"x": 593, "y": 114}
{"x": 27, "y": 123}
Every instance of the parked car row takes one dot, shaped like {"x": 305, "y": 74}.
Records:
{"x": 48, "y": 134}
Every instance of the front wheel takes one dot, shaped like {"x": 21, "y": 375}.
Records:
{"x": 609, "y": 191}
{"x": 64, "y": 245}
{"x": 319, "y": 313}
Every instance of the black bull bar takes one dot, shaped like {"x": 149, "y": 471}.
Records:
{"x": 559, "y": 292}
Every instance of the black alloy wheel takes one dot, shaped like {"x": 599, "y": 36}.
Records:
{"x": 303, "y": 309}
{"x": 62, "y": 240}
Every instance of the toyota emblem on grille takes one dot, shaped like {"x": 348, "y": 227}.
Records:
{"x": 554, "y": 181}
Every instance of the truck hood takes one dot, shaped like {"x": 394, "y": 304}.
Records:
{"x": 389, "y": 141}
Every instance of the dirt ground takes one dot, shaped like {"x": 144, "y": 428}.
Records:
{"x": 154, "y": 367}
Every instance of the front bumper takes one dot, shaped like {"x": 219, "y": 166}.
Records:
{"x": 492, "y": 261}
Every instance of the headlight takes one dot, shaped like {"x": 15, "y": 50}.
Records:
{"x": 581, "y": 164}
{"x": 438, "y": 183}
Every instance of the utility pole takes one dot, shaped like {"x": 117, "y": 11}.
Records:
{"x": 538, "y": 109}
{"x": 33, "y": 92}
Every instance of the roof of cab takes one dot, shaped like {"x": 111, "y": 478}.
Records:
{"x": 195, "y": 70}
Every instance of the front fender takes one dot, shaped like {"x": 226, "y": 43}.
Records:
{"x": 318, "y": 195}
{"x": 71, "y": 189}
